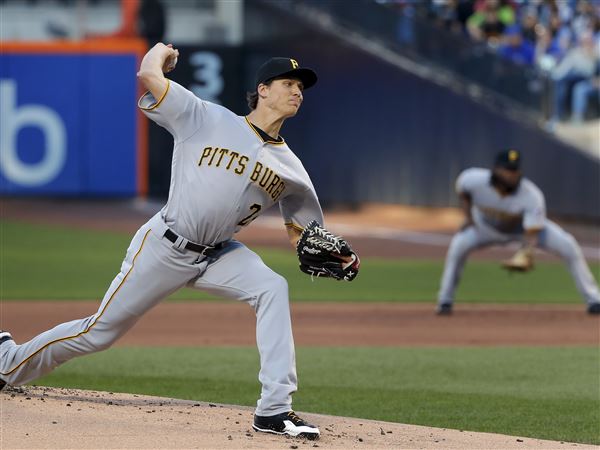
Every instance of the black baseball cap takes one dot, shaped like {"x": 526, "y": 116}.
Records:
{"x": 508, "y": 159}
{"x": 285, "y": 67}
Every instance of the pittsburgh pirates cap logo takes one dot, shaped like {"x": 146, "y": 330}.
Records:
{"x": 294, "y": 63}
{"x": 513, "y": 155}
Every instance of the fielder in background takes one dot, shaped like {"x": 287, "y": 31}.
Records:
{"x": 501, "y": 206}
{"x": 226, "y": 170}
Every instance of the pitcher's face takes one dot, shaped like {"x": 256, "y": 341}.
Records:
{"x": 283, "y": 95}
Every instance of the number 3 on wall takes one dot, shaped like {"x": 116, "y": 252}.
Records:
{"x": 255, "y": 208}
{"x": 208, "y": 78}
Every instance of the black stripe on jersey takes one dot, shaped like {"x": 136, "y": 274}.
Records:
{"x": 264, "y": 136}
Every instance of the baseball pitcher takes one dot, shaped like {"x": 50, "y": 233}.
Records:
{"x": 226, "y": 171}
{"x": 501, "y": 206}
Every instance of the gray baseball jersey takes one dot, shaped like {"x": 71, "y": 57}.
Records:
{"x": 225, "y": 172}
{"x": 525, "y": 209}
{"x": 502, "y": 219}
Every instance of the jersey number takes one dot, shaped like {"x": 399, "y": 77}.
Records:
{"x": 250, "y": 217}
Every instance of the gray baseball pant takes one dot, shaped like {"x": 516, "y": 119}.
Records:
{"x": 552, "y": 238}
{"x": 153, "y": 269}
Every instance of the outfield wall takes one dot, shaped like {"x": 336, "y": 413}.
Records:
{"x": 367, "y": 132}
{"x": 69, "y": 124}
{"x": 370, "y": 132}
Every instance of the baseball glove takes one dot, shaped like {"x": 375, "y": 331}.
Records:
{"x": 521, "y": 261}
{"x": 319, "y": 253}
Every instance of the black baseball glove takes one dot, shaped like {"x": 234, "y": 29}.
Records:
{"x": 319, "y": 253}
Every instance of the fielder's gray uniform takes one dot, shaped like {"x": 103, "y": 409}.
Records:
{"x": 503, "y": 219}
{"x": 224, "y": 174}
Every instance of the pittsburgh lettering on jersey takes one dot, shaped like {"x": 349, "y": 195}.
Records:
{"x": 267, "y": 179}
{"x": 502, "y": 220}
{"x": 223, "y": 157}
{"x": 262, "y": 175}
{"x": 497, "y": 214}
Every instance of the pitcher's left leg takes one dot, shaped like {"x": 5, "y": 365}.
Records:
{"x": 556, "y": 240}
{"x": 152, "y": 270}
{"x": 240, "y": 274}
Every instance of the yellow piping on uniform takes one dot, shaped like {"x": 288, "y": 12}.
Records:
{"x": 294, "y": 226}
{"x": 159, "y": 100}
{"x": 92, "y": 324}
{"x": 260, "y": 137}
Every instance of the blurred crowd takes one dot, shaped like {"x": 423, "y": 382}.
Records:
{"x": 560, "y": 38}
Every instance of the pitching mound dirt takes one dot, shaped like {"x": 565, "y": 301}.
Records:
{"x": 40, "y": 417}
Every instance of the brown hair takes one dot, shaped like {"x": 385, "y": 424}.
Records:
{"x": 252, "y": 97}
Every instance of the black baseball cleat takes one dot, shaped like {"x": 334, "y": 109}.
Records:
{"x": 444, "y": 309}
{"x": 593, "y": 308}
{"x": 4, "y": 336}
{"x": 286, "y": 423}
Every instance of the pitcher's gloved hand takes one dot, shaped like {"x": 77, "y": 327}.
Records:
{"x": 321, "y": 254}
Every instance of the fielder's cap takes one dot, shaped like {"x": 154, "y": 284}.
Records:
{"x": 508, "y": 159}
{"x": 285, "y": 67}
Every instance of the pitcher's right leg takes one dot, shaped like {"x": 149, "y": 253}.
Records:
{"x": 240, "y": 274}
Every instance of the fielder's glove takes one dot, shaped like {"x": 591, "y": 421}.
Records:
{"x": 522, "y": 261}
{"x": 318, "y": 251}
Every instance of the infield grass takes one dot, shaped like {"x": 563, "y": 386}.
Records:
{"x": 548, "y": 393}
{"x": 50, "y": 262}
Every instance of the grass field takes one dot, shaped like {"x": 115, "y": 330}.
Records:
{"x": 550, "y": 393}
{"x": 41, "y": 262}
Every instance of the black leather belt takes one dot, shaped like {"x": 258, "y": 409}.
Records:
{"x": 207, "y": 250}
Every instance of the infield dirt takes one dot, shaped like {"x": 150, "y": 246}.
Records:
{"x": 329, "y": 324}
